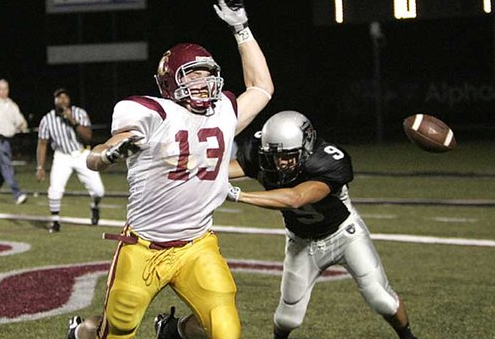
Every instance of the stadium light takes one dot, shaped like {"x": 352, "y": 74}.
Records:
{"x": 404, "y": 9}
{"x": 339, "y": 11}
{"x": 487, "y": 6}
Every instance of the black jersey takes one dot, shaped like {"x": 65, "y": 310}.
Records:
{"x": 329, "y": 164}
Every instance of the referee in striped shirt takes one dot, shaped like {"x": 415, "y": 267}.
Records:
{"x": 68, "y": 129}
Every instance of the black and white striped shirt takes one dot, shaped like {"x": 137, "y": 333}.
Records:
{"x": 62, "y": 135}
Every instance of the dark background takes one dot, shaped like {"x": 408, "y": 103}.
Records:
{"x": 441, "y": 65}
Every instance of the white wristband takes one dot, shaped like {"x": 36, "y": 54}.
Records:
{"x": 243, "y": 36}
{"x": 260, "y": 90}
{"x": 234, "y": 193}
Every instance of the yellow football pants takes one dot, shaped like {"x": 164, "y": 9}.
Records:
{"x": 197, "y": 272}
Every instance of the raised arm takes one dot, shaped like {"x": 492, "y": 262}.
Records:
{"x": 257, "y": 78}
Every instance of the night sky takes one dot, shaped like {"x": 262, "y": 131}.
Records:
{"x": 443, "y": 66}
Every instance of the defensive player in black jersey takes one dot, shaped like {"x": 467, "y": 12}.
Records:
{"x": 306, "y": 178}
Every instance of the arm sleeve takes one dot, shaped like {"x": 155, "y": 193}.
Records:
{"x": 82, "y": 117}
{"x": 43, "y": 132}
{"x": 20, "y": 121}
{"x": 131, "y": 116}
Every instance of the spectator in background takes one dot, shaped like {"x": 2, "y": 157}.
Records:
{"x": 12, "y": 122}
{"x": 68, "y": 127}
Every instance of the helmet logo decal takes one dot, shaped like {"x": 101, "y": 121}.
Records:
{"x": 163, "y": 65}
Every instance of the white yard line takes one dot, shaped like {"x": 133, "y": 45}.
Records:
{"x": 421, "y": 239}
{"x": 454, "y": 219}
{"x": 378, "y": 216}
{"x": 228, "y": 210}
{"x": 103, "y": 206}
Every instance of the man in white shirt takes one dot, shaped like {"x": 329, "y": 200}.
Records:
{"x": 12, "y": 122}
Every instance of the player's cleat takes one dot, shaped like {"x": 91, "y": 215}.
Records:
{"x": 279, "y": 334}
{"x": 21, "y": 199}
{"x": 95, "y": 215}
{"x": 166, "y": 325}
{"x": 73, "y": 323}
{"x": 55, "y": 227}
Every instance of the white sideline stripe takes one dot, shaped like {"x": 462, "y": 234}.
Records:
{"x": 105, "y": 206}
{"x": 420, "y": 239}
{"x": 69, "y": 220}
{"x": 447, "y": 219}
{"x": 228, "y": 210}
{"x": 248, "y": 230}
{"x": 379, "y": 216}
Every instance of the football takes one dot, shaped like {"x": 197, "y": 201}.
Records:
{"x": 429, "y": 133}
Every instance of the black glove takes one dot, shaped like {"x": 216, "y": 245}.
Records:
{"x": 122, "y": 150}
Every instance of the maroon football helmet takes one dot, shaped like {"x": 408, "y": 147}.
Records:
{"x": 182, "y": 59}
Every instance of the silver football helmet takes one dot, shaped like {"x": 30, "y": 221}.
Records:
{"x": 287, "y": 140}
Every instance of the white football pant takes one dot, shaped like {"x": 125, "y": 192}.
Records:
{"x": 306, "y": 259}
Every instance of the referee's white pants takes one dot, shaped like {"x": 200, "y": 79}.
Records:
{"x": 62, "y": 167}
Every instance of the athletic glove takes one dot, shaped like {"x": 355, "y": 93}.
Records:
{"x": 233, "y": 13}
{"x": 122, "y": 150}
{"x": 234, "y": 193}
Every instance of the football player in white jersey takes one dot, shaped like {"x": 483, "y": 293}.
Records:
{"x": 306, "y": 178}
{"x": 177, "y": 151}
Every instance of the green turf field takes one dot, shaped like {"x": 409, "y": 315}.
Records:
{"x": 449, "y": 290}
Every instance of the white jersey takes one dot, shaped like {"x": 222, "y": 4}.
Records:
{"x": 180, "y": 176}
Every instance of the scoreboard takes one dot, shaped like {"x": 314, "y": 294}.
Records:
{"x": 335, "y": 12}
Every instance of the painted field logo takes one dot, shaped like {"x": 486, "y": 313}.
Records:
{"x": 11, "y": 247}
{"x": 4, "y": 248}
{"x": 48, "y": 291}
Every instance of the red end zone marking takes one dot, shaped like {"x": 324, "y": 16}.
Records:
{"x": 46, "y": 291}
{"x": 4, "y": 248}
{"x": 40, "y": 290}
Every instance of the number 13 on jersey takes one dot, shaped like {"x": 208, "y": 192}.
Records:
{"x": 204, "y": 173}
